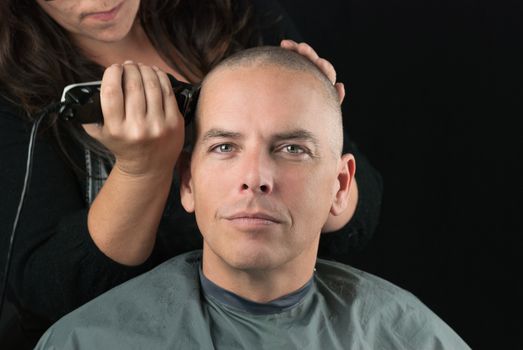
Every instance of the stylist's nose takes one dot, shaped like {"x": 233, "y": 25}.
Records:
{"x": 256, "y": 173}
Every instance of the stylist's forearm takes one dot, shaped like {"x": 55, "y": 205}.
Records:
{"x": 124, "y": 218}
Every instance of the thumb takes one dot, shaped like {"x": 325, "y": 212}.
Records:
{"x": 341, "y": 91}
{"x": 94, "y": 130}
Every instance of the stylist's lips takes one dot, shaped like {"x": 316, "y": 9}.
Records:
{"x": 107, "y": 15}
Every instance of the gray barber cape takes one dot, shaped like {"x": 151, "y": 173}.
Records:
{"x": 167, "y": 308}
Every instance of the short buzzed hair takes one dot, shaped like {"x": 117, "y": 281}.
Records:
{"x": 264, "y": 56}
{"x": 275, "y": 56}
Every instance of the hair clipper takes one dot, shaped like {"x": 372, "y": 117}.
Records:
{"x": 81, "y": 102}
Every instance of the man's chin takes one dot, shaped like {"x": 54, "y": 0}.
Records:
{"x": 252, "y": 260}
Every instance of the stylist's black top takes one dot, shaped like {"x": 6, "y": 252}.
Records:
{"x": 56, "y": 267}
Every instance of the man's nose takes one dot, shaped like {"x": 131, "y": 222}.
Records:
{"x": 257, "y": 173}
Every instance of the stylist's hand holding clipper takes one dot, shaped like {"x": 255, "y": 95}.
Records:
{"x": 144, "y": 130}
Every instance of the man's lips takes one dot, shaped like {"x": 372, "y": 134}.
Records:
{"x": 254, "y": 218}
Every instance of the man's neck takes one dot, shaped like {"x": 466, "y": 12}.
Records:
{"x": 213, "y": 292}
{"x": 264, "y": 285}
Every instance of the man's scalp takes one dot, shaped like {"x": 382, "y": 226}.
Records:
{"x": 280, "y": 58}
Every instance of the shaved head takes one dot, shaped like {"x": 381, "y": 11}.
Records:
{"x": 290, "y": 61}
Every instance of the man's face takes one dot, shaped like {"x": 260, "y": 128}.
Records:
{"x": 263, "y": 173}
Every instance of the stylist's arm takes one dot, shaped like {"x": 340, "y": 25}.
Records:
{"x": 144, "y": 130}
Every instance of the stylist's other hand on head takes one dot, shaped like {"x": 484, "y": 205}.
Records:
{"x": 325, "y": 66}
{"x": 143, "y": 126}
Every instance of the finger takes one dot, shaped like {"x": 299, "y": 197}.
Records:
{"x": 170, "y": 105}
{"x": 94, "y": 130}
{"x": 307, "y": 51}
{"x": 327, "y": 68}
{"x": 134, "y": 96}
{"x": 340, "y": 87}
{"x": 153, "y": 93}
{"x": 303, "y": 49}
{"x": 111, "y": 96}
{"x": 288, "y": 44}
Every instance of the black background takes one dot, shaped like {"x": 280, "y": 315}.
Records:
{"x": 435, "y": 99}
{"x": 435, "y": 91}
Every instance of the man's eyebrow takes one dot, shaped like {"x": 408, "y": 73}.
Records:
{"x": 298, "y": 134}
{"x": 220, "y": 133}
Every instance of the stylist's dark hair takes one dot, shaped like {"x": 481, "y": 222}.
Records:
{"x": 38, "y": 59}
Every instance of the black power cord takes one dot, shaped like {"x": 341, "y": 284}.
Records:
{"x": 55, "y": 107}
{"x": 78, "y": 101}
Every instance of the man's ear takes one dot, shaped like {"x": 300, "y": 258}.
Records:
{"x": 345, "y": 180}
{"x": 186, "y": 190}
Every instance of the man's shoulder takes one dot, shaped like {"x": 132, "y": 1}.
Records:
{"x": 146, "y": 302}
{"x": 345, "y": 279}
{"x": 177, "y": 275}
{"x": 382, "y": 311}
{"x": 365, "y": 294}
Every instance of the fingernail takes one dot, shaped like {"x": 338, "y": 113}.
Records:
{"x": 128, "y": 62}
{"x": 155, "y": 68}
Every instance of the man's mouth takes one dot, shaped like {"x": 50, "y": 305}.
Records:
{"x": 253, "y": 218}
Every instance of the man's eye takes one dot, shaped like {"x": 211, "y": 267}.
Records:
{"x": 223, "y": 148}
{"x": 295, "y": 149}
